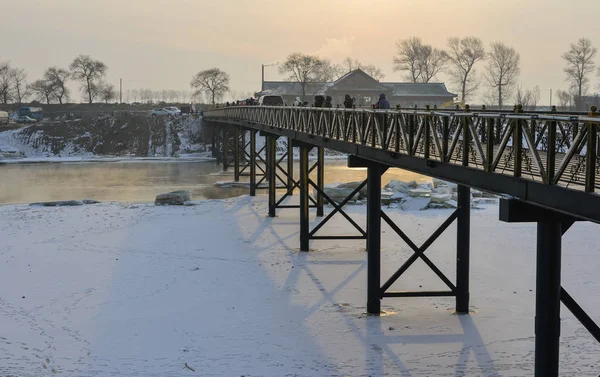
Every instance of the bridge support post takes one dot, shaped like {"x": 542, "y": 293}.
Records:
{"x": 304, "y": 194}
{"x": 547, "y": 301}
{"x": 320, "y": 180}
{"x": 290, "y": 167}
{"x": 225, "y": 148}
{"x": 271, "y": 141}
{"x": 463, "y": 225}
{"x": 267, "y": 159}
{"x": 253, "y": 163}
{"x": 549, "y": 293}
{"x": 236, "y": 157}
{"x": 213, "y": 149}
{"x": 374, "y": 172}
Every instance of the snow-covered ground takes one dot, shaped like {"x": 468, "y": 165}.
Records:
{"x": 137, "y": 290}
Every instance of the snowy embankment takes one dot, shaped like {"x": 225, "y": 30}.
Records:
{"x": 105, "y": 138}
{"x": 137, "y": 290}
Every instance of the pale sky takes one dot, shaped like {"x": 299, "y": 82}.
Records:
{"x": 161, "y": 44}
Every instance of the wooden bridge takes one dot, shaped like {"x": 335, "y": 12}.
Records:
{"x": 545, "y": 165}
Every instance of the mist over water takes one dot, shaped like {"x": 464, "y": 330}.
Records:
{"x": 141, "y": 181}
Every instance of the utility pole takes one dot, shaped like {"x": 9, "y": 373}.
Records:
{"x": 262, "y": 81}
{"x": 550, "y": 97}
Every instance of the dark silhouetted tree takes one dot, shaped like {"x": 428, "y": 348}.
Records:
{"x": 580, "y": 63}
{"x": 462, "y": 56}
{"x": 90, "y": 72}
{"x": 213, "y": 82}
{"x": 502, "y": 70}
{"x": 58, "y": 78}
{"x": 421, "y": 62}
{"x": 302, "y": 69}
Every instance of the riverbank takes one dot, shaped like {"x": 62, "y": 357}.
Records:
{"x": 122, "y": 135}
{"x": 192, "y": 157}
{"x": 219, "y": 289}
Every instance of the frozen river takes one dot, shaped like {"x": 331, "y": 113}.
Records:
{"x": 139, "y": 181}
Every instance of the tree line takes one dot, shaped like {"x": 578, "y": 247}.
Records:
{"x": 155, "y": 96}
{"x": 422, "y": 62}
{"x": 213, "y": 83}
{"x": 53, "y": 86}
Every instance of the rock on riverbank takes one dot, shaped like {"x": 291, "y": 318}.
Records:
{"x": 410, "y": 196}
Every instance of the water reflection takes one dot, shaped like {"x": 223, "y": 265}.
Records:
{"x": 140, "y": 181}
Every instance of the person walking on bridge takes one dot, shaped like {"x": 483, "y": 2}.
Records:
{"x": 348, "y": 102}
{"x": 319, "y": 99}
{"x": 383, "y": 103}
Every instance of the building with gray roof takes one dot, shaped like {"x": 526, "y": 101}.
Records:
{"x": 365, "y": 89}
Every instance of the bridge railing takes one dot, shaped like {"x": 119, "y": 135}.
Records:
{"x": 556, "y": 149}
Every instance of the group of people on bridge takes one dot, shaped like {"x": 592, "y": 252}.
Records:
{"x": 325, "y": 101}
{"x": 320, "y": 101}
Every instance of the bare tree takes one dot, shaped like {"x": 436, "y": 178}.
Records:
{"x": 19, "y": 84}
{"x": 148, "y": 95}
{"x": 433, "y": 61}
{"x": 527, "y": 98}
{"x": 580, "y": 63}
{"x": 521, "y": 98}
{"x": 172, "y": 95}
{"x": 197, "y": 97}
{"x": 462, "y": 55}
{"x": 143, "y": 97}
{"x": 234, "y": 95}
{"x": 564, "y": 98}
{"x": 328, "y": 72}
{"x": 6, "y": 83}
{"x": 534, "y": 97}
{"x": 373, "y": 71}
{"x": 185, "y": 96}
{"x": 90, "y": 72}
{"x": 134, "y": 94}
{"x": 43, "y": 90}
{"x": 107, "y": 92}
{"x": 213, "y": 81}
{"x": 350, "y": 64}
{"x": 58, "y": 78}
{"x": 502, "y": 70}
{"x": 302, "y": 69}
{"x": 156, "y": 96}
{"x": 407, "y": 58}
{"x": 422, "y": 62}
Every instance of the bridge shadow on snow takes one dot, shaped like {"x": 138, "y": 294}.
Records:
{"x": 371, "y": 332}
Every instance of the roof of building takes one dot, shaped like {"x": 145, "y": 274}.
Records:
{"x": 358, "y": 80}
{"x": 291, "y": 88}
{"x": 409, "y": 89}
